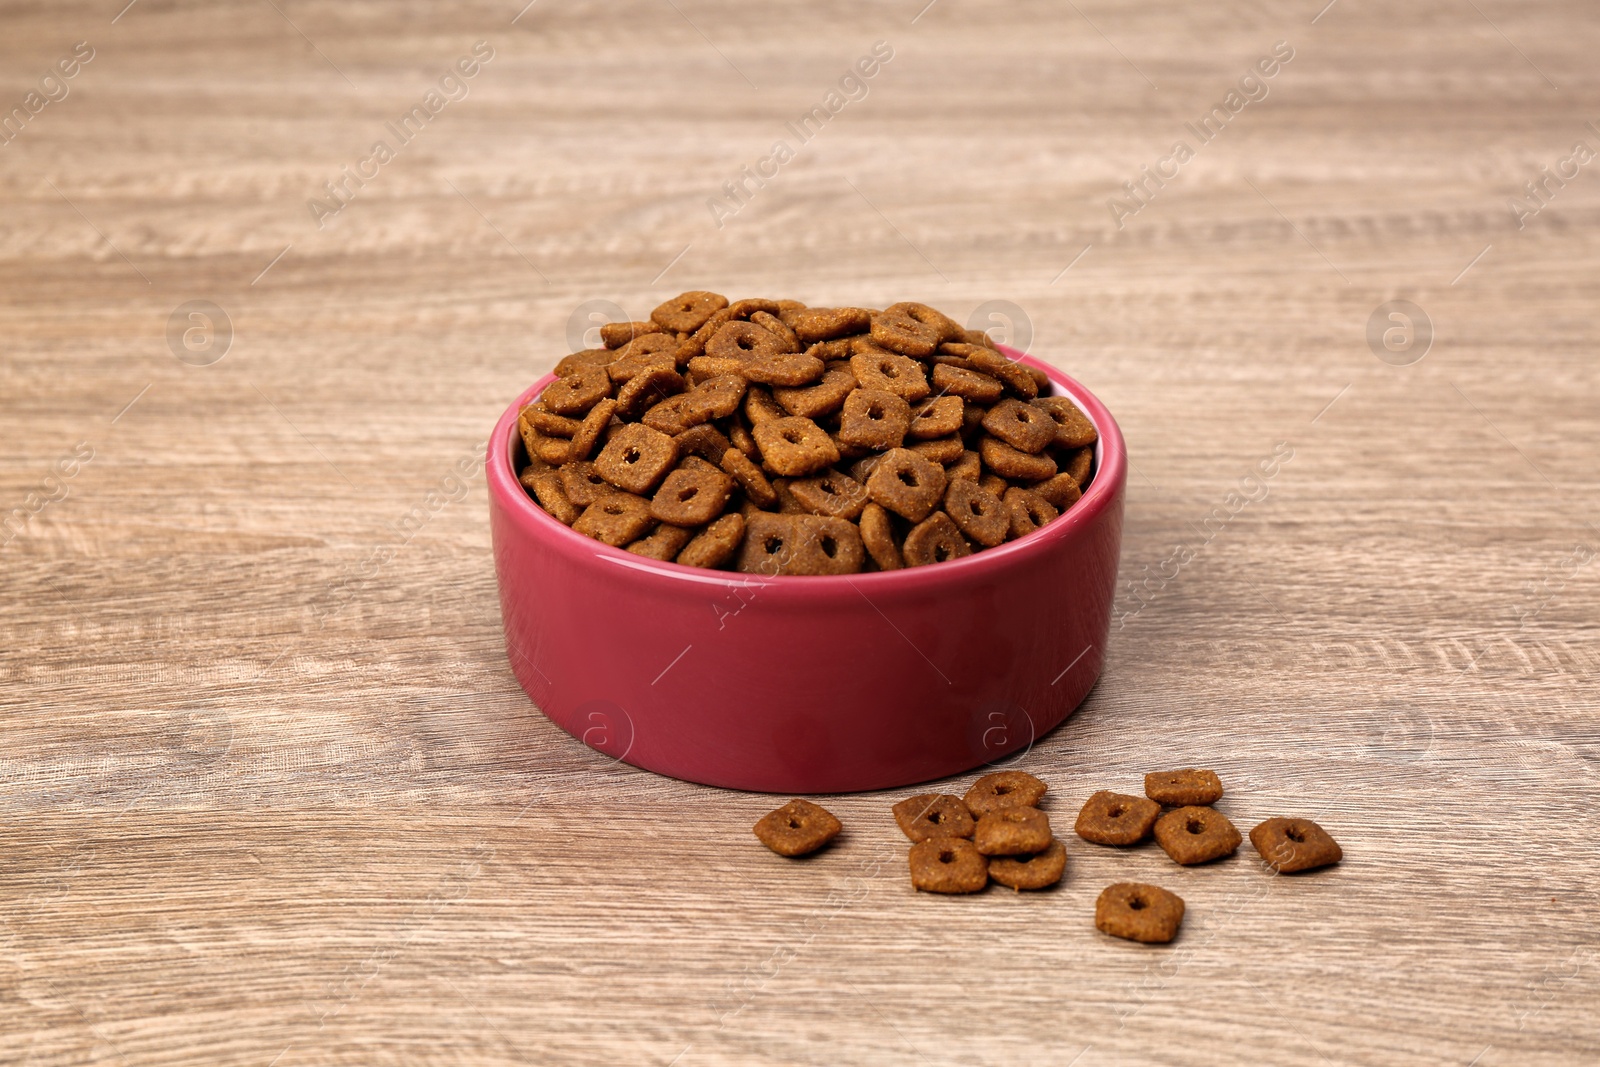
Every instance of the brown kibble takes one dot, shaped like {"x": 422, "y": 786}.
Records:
{"x": 935, "y": 539}
{"x": 716, "y": 544}
{"x": 787, "y": 341}
{"x": 1060, "y": 492}
{"x": 824, "y": 324}
{"x": 743, "y": 309}
{"x": 793, "y": 446}
{"x": 583, "y": 484}
{"x": 824, "y": 398}
{"x": 946, "y": 328}
{"x": 968, "y": 467}
{"x": 742, "y": 341}
{"x": 759, "y": 406}
{"x": 1072, "y": 427}
{"x": 647, "y": 389}
{"x": 899, "y": 375}
{"x": 1013, "y": 832}
{"x": 590, "y": 357}
{"x": 790, "y": 370}
{"x": 617, "y": 334}
{"x": 830, "y": 493}
{"x": 936, "y": 417}
{"x": 1134, "y": 911}
{"x": 874, "y": 418}
{"x": 1195, "y": 834}
{"x": 749, "y": 476}
{"x": 800, "y": 544}
{"x": 1111, "y": 818}
{"x": 1177, "y": 789}
{"x": 1291, "y": 845}
{"x": 672, "y": 416}
{"x": 906, "y": 484}
{"x": 546, "y": 488}
{"x": 578, "y": 391}
{"x": 877, "y": 534}
{"x": 616, "y": 519}
{"x": 1014, "y": 376}
{"x": 932, "y": 815}
{"x": 980, "y": 515}
{"x": 1038, "y": 871}
{"x": 693, "y": 345}
{"x": 995, "y": 484}
{"x": 691, "y": 497}
{"x": 798, "y": 828}
{"x": 999, "y": 790}
{"x": 1026, "y": 511}
{"x": 546, "y": 423}
{"x": 705, "y": 441}
{"x": 687, "y": 312}
{"x": 948, "y": 865}
{"x": 940, "y": 450}
{"x": 649, "y": 352}
{"x": 1079, "y": 464}
{"x": 1008, "y": 462}
{"x": 636, "y": 458}
{"x": 968, "y": 384}
{"x": 591, "y": 428}
{"x": 900, "y": 332}
{"x": 664, "y": 544}
{"x": 1022, "y": 426}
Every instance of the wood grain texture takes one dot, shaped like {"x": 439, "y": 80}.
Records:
{"x": 272, "y": 795}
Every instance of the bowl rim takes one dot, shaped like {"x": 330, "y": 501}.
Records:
{"x": 1110, "y": 473}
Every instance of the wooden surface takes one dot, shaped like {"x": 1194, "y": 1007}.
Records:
{"x": 271, "y": 795}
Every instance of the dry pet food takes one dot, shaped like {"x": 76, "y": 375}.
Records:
{"x": 1013, "y": 832}
{"x": 1004, "y": 789}
{"x": 919, "y": 436}
{"x": 1290, "y": 845}
{"x": 1111, "y": 818}
{"x": 798, "y": 828}
{"x": 1038, "y": 871}
{"x": 934, "y": 815}
{"x": 1196, "y": 835}
{"x": 1178, "y": 789}
{"x": 948, "y": 865}
{"x": 1138, "y": 912}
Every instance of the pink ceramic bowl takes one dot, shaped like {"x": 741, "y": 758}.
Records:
{"x": 809, "y": 684}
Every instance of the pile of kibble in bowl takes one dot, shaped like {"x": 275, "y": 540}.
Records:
{"x": 774, "y": 438}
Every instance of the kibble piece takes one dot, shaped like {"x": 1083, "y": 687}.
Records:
{"x": 791, "y": 370}
{"x": 1026, "y": 511}
{"x": 933, "y": 815}
{"x": 759, "y": 406}
{"x": 800, "y": 544}
{"x": 664, "y": 543}
{"x": 899, "y": 332}
{"x": 636, "y": 458}
{"x": 999, "y": 790}
{"x": 590, "y": 357}
{"x": 591, "y": 428}
{"x": 906, "y": 484}
{"x": 1196, "y": 835}
{"x": 739, "y": 437}
{"x": 824, "y": 324}
{"x": 583, "y": 484}
{"x": 743, "y": 309}
{"x": 900, "y": 375}
{"x": 1060, "y": 492}
{"x": 936, "y": 417}
{"x": 995, "y": 484}
{"x": 647, "y": 389}
{"x": 1134, "y": 911}
{"x": 935, "y": 539}
{"x": 1022, "y": 426}
{"x": 824, "y": 398}
{"x": 1009, "y": 462}
{"x": 977, "y": 337}
{"x": 691, "y": 497}
{"x": 798, "y": 828}
{"x": 617, "y": 334}
{"x": 968, "y": 384}
{"x": 1038, "y": 871}
{"x": 546, "y": 423}
{"x": 877, "y": 534}
{"x": 714, "y": 398}
{"x": 830, "y": 493}
{"x": 874, "y": 418}
{"x": 1012, "y": 375}
{"x": 793, "y": 446}
{"x": 754, "y": 483}
{"x": 969, "y": 467}
{"x": 948, "y": 865}
{"x": 577, "y": 392}
{"x": 1072, "y": 427}
{"x": 940, "y": 450}
{"x": 1290, "y": 845}
{"x": 546, "y": 488}
{"x": 616, "y": 519}
{"x": 943, "y": 325}
{"x": 979, "y": 514}
{"x": 787, "y": 341}
{"x": 1013, "y": 832}
{"x": 672, "y": 416}
{"x": 716, "y": 544}
{"x": 1177, "y": 789}
{"x": 705, "y": 441}
{"x": 687, "y": 312}
{"x": 653, "y": 351}
{"x": 1111, "y": 818}
{"x": 1079, "y": 464}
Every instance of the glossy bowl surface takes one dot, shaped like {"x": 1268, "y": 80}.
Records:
{"x": 809, "y": 684}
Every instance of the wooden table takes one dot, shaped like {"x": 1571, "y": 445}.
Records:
{"x": 272, "y": 795}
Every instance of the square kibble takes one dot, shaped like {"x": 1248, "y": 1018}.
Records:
{"x": 1134, "y": 911}
{"x": 636, "y": 458}
{"x": 999, "y": 790}
{"x": 1022, "y": 426}
{"x": 798, "y": 828}
{"x": 794, "y": 447}
{"x": 1194, "y": 835}
{"x": 891, "y": 373}
{"x": 948, "y": 865}
{"x": 874, "y": 418}
{"x": 800, "y": 544}
{"x": 935, "y": 539}
{"x": 1038, "y": 871}
{"x": 906, "y": 484}
{"x": 981, "y": 516}
{"x": 1178, "y": 789}
{"x": 616, "y": 519}
{"x": 690, "y": 497}
{"x": 1013, "y": 832}
{"x": 1292, "y": 845}
{"x": 716, "y": 544}
{"x": 1072, "y": 427}
{"x": 830, "y": 493}
{"x": 932, "y": 815}
{"x": 936, "y": 417}
{"x": 1111, "y": 818}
